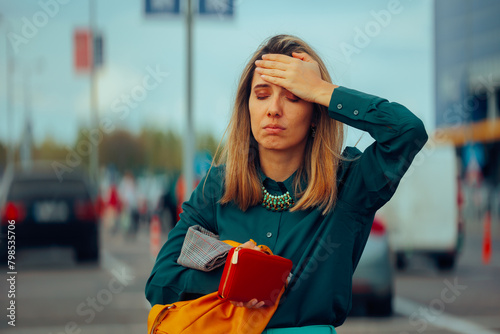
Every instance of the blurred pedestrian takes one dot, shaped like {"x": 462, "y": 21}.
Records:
{"x": 112, "y": 209}
{"x": 285, "y": 181}
{"x": 166, "y": 207}
{"x": 128, "y": 195}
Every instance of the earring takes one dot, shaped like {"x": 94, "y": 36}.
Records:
{"x": 313, "y": 131}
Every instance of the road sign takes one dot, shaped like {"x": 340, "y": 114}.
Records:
{"x": 217, "y": 7}
{"x": 98, "y": 50}
{"x": 82, "y": 50}
{"x": 152, "y": 7}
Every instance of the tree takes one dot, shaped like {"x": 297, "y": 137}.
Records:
{"x": 3, "y": 155}
{"x": 206, "y": 142}
{"x": 163, "y": 149}
{"x": 50, "y": 150}
{"x": 123, "y": 150}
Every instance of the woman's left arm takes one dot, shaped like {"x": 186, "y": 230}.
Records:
{"x": 399, "y": 134}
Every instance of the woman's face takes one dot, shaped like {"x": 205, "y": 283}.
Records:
{"x": 279, "y": 119}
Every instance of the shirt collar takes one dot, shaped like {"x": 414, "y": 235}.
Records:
{"x": 278, "y": 188}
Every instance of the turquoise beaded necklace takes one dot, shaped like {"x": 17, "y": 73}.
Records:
{"x": 276, "y": 203}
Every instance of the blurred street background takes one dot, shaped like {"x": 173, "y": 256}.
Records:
{"x": 111, "y": 112}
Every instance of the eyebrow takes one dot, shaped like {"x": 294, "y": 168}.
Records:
{"x": 261, "y": 86}
{"x": 268, "y": 86}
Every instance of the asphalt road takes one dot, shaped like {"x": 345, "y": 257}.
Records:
{"x": 54, "y": 295}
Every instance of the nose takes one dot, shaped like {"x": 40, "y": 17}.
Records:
{"x": 275, "y": 108}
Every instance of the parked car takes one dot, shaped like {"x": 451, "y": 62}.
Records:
{"x": 373, "y": 280}
{"x": 48, "y": 211}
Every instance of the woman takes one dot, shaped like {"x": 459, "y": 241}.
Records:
{"x": 285, "y": 139}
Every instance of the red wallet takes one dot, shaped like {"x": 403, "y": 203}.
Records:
{"x": 250, "y": 274}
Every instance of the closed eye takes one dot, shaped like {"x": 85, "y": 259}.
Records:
{"x": 290, "y": 96}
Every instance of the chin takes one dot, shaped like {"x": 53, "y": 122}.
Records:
{"x": 278, "y": 147}
{"x": 271, "y": 145}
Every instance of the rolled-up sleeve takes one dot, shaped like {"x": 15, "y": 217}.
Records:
{"x": 169, "y": 281}
{"x": 399, "y": 135}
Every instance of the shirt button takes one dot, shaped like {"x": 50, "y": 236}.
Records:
{"x": 269, "y": 234}
{"x": 339, "y": 106}
{"x": 355, "y": 112}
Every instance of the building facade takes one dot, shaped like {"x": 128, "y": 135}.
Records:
{"x": 467, "y": 82}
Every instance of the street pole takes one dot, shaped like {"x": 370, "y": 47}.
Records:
{"x": 9, "y": 92}
{"x": 26, "y": 137}
{"x": 188, "y": 168}
{"x": 94, "y": 109}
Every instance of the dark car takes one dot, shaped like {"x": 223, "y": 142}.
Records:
{"x": 373, "y": 280}
{"x": 49, "y": 211}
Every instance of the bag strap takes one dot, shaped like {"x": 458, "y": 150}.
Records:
{"x": 157, "y": 314}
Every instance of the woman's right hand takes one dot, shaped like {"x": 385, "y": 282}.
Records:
{"x": 254, "y": 303}
{"x": 250, "y": 244}
{"x": 299, "y": 74}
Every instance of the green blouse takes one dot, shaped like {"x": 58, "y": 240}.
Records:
{"x": 325, "y": 249}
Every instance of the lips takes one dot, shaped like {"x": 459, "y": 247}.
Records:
{"x": 273, "y": 128}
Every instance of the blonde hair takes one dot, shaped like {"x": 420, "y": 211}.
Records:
{"x": 241, "y": 155}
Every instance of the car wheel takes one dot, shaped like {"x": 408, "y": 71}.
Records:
{"x": 445, "y": 261}
{"x": 401, "y": 261}
{"x": 88, "y": 252}
{"x": 380, "y": 306}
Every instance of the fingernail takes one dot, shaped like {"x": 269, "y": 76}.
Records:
{"x": 257, "y": 62}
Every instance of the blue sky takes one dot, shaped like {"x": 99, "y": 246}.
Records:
{"x": 395, "y": 61}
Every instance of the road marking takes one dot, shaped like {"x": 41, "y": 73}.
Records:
{"x": 446, "y": 321}
{"x": 130, "y": 301}
{"x": 109, "y": 262}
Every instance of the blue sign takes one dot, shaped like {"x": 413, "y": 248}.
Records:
{"x": 162, "y": 7}
{"x": 473, "y": 151}
{"x": 202, "y": 163}
{"x": 98, "y": 50}
{"x": 219, "y": 7}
